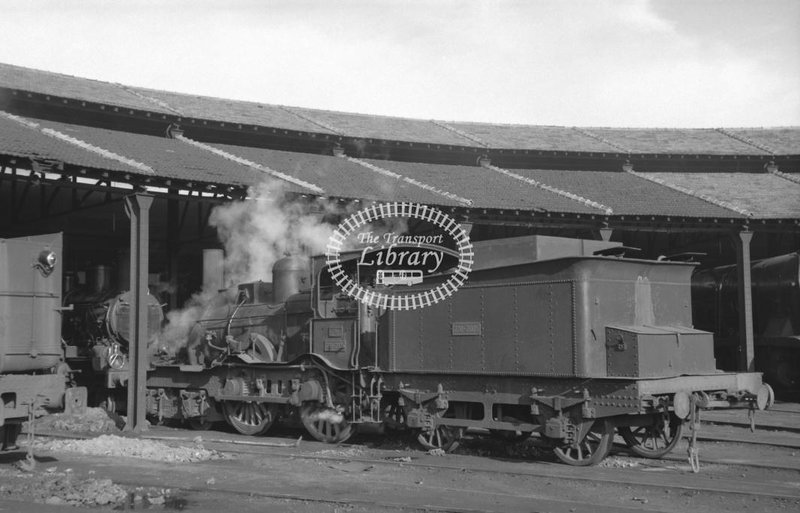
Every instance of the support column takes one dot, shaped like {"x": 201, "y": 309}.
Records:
{"x": 138, "y": 209}
{"x": 745, "y": 296}
{"x": 173, "y": 247}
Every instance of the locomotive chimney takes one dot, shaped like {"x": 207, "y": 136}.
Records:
{"x": 99, "y": 279}
{"x": 213, "y": 270}
{"x": 289, "y": 275}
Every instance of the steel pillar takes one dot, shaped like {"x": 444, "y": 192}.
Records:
{"x": 745, "y": 296}
{"x": 173, "y": 247}
{"x": 137, "y": 207}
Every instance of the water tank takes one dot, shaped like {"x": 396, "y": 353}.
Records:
{"x": 290, "y": 275}
{"x": 30, "y": 300}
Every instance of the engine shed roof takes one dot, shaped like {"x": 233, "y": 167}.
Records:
{"x": 154, "y": 137}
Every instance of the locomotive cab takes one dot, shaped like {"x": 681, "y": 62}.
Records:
{"x": 344, "y": 330}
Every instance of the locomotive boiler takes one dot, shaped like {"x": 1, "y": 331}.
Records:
{"x": 96, "y": 333}
{"x": 32, "y": 376}
{"x": 573, "y": 349}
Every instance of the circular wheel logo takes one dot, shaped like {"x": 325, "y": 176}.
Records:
{"x": 390, "y": 254}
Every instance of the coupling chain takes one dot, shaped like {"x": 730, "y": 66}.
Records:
{"x": 694, "y": 424}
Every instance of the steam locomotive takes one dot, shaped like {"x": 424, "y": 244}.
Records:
{"x": 96, "y": 333}
{"x": 572, "y": 348}
{"x": 776, "y": 316}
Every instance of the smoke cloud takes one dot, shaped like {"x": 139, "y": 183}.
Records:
{"x": 267, "y": 226}
{"x": 256, "y": 233}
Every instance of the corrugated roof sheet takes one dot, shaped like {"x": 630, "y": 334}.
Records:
{"x": 337, "y": 176}
{"x": 686, "y": 141}
{"x": 781, "y": 141}
{"x": 232, "y": 111}
{"x": 526, "y": 137}
{"x": 84, "y": 89}
{"x": 20, "y": 141}
{"x": 764, "y": 195}
{"x": 486, "y": 188}
{"x": 168, "y": 157}
{"x": 367, "y": 126}
{"x": 627, "y": 194}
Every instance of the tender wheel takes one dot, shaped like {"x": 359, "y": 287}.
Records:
{"x": 653, "y": 441}
{"x": 250, "y": 418}
{"x": 441, "y": 437}
{"x": 325, "y": 424}
{"x": 594, "y": 447}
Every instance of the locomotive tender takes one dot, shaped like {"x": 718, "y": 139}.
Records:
{"x": 570, "y": 348}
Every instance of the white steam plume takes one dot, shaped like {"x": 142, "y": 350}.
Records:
{"x": 255, "y": 233}
{"x": 265, "y": 227}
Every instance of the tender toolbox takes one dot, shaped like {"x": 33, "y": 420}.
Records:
{"x": 658, "y": 352}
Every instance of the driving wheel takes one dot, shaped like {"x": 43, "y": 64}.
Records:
{"x": 250, "y": 418}
{"x": 326, "y": 424}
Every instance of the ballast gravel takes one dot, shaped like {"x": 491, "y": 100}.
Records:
{"x": 112, "y": 445}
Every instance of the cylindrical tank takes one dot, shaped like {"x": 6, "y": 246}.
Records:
{"x": 290, "y": 275}
{"x": 213, "y": 270}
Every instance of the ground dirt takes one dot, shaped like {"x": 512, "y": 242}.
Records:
{"x": 223, "y": 471}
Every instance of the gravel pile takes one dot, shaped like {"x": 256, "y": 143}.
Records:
{"x": 349, "y": 452}
{"x": 618, "y": 462}
{"x": 111, "y": 445}
{"x": 95, "y": 420}
{"x": 64, "y": 488}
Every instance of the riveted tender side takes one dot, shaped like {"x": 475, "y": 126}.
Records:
{"x": 570, "y": 348}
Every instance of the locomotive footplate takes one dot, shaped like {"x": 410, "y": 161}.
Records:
{"x": 733, "y": 382}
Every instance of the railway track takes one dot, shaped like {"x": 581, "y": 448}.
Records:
{"x": 737, "y": 468}
{"x": 648, "y": 478}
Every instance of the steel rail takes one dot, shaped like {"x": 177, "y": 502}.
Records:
{"x": 548, "y": 470}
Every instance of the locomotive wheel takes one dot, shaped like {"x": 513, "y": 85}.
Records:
{"x": 325, "y": 424}
{"x": 655, "y": 440}
{"x": 594, "y": 447}
{"x": 441, "y": 437}
{"x": 250, "y": 418}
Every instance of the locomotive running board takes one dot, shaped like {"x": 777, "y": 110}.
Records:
{"x": 742, "y": 381}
